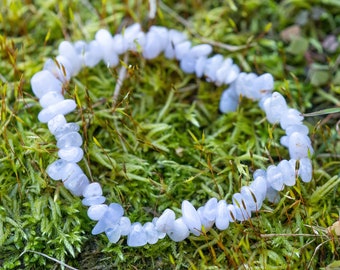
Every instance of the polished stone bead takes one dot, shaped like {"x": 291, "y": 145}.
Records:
{"x": 291, "y": 117}
{"x": 284, "y": 141}
{"x": 119, "y": 44}
{"x": 161, "y": 235}
{"x": 179, "y": 231}
{"x": 188, "y": 64}
{"x": 111, "y": 217}
{"x": 244, "y": 84}
{"x": 175, "y": 37}
{"x": 155, "y": 42}
{"x": 213, "y": 64}
{"x": 243, "y": 212}
{"x": 132, "y": 36}
{"x": 201, "y": 50}
{"x": 55, "y": 169}
{"x": 60, "y": 67}
{"x": 206, "y": 224}
{"x": 222, "y": 217}
{"x": 76, "y": 183}
{"x": 70, "y": 170}
{"x": 263, "y": 85}
{"x": 259, "y": 187}
{"x": 71, "y": 139}
{"x": 43, "y": 82}
{"x": 191, "y": 218}
{"x": 137, "y": 236}
{"x": 228, "y": 101}
{"x": 50, "y": 98}
{"x": 125, "y": 225}
{"x": 275, "y": 177}
{"x": 199, "y": 66}
{"x": 56, "y": 122}
{"x": 305, "y": 170}
{"x": 68, "y": 50}
{"x": 182, "y": 49}
{"x": 95, "y": 212}
{"x": 93, "y": 189}
{"x": 113, "y": 233}
{"x": 63, "y": 107}
{"x": 165, "y": 221}
{"x": 249, "y": 198}
{"x": 64, "y": 129}
{"x": 209, "y": 209}
{"x": 105, "y": 41}
{"x": 300, "y": 128}
{"x": 92, "y": 54}
{"x": 231, "y": 211}
{"x": 288, "y": 172}
{"x": 275, "y": 107}
{"x": 71, "y": 154}
{"x": 224, "y": 71}
{"x": 163, "y": 35}
{"x": 88, "y": 201}
{"x": 272, "y": 195}
{"x": 299, "y": 146}
{"x": 151, "y": 232}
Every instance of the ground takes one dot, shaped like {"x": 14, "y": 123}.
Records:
{"x": 164, "y": 140}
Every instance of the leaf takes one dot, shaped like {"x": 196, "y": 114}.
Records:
{"x": 232, "y": 5}
{"x": 321, "y": 192}
{"x": 335, "y": 3}
{"x": 97, "y": 142}
{"x": 322, "y": 112}
{"x": 319, "y": 77}
{"x": 316, "y": 44}
{"x": 298, "y": 46}
{"x": 268, "y": 27}
{"x": 333, "y": 266}
{"x": 336, "y": 79}
{"x": 319, "y": 74}
{"x": 47, "y": 37}
{"x": 69, "y": 247}
{"x": 193, "y": 136}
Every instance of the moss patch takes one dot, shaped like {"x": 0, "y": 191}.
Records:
{"x": 164, "y": 140}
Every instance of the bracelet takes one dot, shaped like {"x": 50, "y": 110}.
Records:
{"x": 47, "y": 85}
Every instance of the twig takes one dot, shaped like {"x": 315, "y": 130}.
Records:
{"x": 316, "y": 249}
{"x": 121, "y": 77}
{"x": 152, "y": 9}
{"x": 187, "y": 24}
{"x": 270, "y": 235}
{"x": 228, "y": 47}
{"x": 175, "y": 15}
{"x": 48, "y": 257}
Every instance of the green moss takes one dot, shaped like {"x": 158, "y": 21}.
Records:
{"x": 164, "y": 140}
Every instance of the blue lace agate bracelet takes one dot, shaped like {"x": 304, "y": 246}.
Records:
{"x": 47, "y": 85}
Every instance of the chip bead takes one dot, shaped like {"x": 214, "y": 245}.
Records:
{"x": 191, "y": 218}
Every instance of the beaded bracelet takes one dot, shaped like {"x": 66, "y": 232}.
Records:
{"x": 47, "y": 86}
